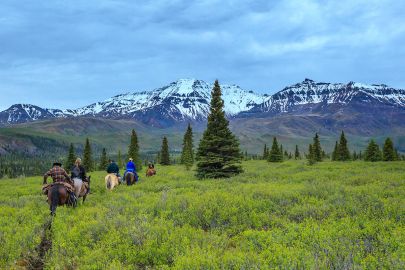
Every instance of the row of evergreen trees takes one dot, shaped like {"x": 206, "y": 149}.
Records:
{"x": 340, "y": 152}
{"x": 89, "y": 163}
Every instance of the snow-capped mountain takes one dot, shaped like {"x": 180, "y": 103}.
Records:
{"x": 311, "y": 95}
{"x": 188, "y": 100}
{"x": 185, "y": 99}
{"x": 20, "y": 113}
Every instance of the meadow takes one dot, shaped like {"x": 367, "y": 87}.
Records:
{"x": 333, "y": 215}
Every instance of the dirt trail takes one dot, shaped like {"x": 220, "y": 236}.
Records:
{"x": 36, "y": 261}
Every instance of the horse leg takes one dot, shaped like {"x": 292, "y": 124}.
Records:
{"x": 53, "y": 199}
{"x": 84, "y": 197}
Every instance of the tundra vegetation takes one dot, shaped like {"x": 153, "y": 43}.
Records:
{"x": 288, "y": 215}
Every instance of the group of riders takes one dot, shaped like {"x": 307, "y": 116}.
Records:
{"x": 78, "y": 184}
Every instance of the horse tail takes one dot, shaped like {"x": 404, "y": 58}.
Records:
{"x": 108, "y": 182}
{"x": 54, "y": 198}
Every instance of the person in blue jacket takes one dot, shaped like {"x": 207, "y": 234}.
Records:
{"x": 131, "y": 168}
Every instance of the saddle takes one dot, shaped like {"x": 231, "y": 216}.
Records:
{"x": 47, "y": 187}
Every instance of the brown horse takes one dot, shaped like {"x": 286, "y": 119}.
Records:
{"x": 57, "y": 195}
{"x": 130, "y": 178}
{"x": 150, "y": 172}
{"x": 111, "y": 181}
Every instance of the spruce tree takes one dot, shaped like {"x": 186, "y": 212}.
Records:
{"x": 343, "y": 153}
{"x": 218, "y": 152}
{"x": 103, "y": 160}
{"x": 275, "y": 155}
{"x": 187, "y": 154}
{"x": 133, "y": 151}
{"x": 71, "y": 158}
{"x": 316, "y": 148}
{"x": 335, "y": 152}
{"x": 164, "y": 152}
{"x": 297, "y": 153}
{"x": 388, "y": 150}
{"x": 281, "y": 152}
{"x": 265, "y": 152}
{"x": 311, "y": 155}
{"x": 372, "y": 152}
{"x": 88, "y": 163}
{"x": 396, "y": 156}
{"x": 354, "y": 155}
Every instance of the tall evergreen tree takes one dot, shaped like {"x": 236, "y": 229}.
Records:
{"x": 218, "y": 153}
{"x": 265, "y": 152}
{"x": 354, "y": 155}
{"x": 343, "y": 153}
{"x": 88, "y": 163}
{"x": 71, "y": 158}
{"x": 164, "y": 152}
{"x": 335, "y": 152}
{"x": 103, "y": 160}
{"x": 311, "y": 155}
{"x": 388, "y": 150}
{"x": 297, "y": 154}
{"x": 281, "y": 152}
{"x": 397, "y": 156}
{"x": 187, "y": 154}
{"x": 372, "y": 152}
{"x": 119, "y": 161}
{"x": 133, "y": 151}
{"x": 316, "y": 148}
{"x": 275, "y": 155}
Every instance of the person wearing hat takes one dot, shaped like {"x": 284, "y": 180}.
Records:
{"x": 131, "y": 168}
{"x": 58, "y": 174}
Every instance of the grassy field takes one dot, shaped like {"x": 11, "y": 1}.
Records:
{"x": 284, "y": 216}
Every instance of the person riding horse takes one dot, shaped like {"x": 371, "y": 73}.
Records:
{"x": 131, "y": 168}
{"x": 79, "y": 178}
{"x": 58, "y": 175}
{"x": 61, "y": 191}
{"x": 151, "y": 170}
{"x": 113, "y": 168}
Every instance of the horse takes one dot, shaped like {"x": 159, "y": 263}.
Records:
{"x": 111, "y": 181}
{"x": 80, "y": 189}
{"x": 130, "y": 178}
{"x": 57, "y": 195}
{"x": 150, "y": 172}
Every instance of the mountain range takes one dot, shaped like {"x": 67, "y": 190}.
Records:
{"x": 188, "y": 100}
{"x": 293, "y": 114}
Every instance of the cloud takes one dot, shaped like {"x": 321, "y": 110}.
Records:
{"x": 95, "y": 49}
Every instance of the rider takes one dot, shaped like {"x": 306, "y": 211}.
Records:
{"x": 79, "y": 174}
{"x": 113, "y": 168}
{"x": 131, "y": 168}
{"x": 58, "y": 175}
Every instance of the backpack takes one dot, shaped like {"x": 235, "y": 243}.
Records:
{"x": 76, "y": 172}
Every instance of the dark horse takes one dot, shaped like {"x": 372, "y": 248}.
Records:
{"x": 130, "y": 178}
{"x": 57, "y": 195}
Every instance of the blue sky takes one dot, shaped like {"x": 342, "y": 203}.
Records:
{"x": 66, "y": 54}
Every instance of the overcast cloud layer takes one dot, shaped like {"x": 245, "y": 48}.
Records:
{"x": 66, "y": 54}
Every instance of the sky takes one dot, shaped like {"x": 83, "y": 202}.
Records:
{"x": 68, "y": 54}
